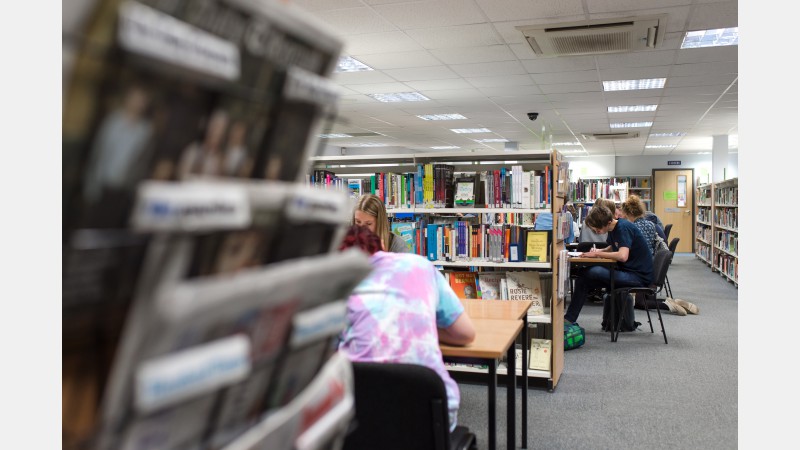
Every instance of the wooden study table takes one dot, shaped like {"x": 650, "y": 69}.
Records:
{"x": 513, "y": 310}
{"x": 612, "y": 264}
{"x": 493, "y": 339}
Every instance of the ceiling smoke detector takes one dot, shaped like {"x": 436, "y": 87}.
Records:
{"x": 596, "y": 37}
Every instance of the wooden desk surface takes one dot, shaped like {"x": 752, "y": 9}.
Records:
{"x": 492, "y": 338}
{"x": 496, "y": 309}
{"x": 582, "y": 260}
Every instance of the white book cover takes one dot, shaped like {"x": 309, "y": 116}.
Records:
{"x": 526, "y": 190}
{"x": 489, "y": 284}
{"x": 540, "y": 352}
{"x": 535, "y": 191}
{"x": 526, "y": 285}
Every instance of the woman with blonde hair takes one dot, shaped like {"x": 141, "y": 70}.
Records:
{"x": 370, "y": 212}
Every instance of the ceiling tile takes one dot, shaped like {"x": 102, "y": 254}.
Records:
{"x": 399, "y": 60}
{"x": 458, "y": 36}
{"x": 429, "y": 14}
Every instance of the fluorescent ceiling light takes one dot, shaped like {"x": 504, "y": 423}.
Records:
{"x": 483, "y": 141}
{"x": 672, "y": 134}
{"x": 632, "y": 108}
{"x": 350, "y": 64}
{"x": 399, "y": 97}
{"x": 442, "y": 117}
{"x": 629, "y": 85}
{"x": 572, "y": 150}
{"x": 703, "y": 153}
{"x": 560, "y": 144}
{"x": 631, "y": 124}
{"x": 661, "y": 146}
{"x": 470, "y": 130}
{"x": 711, "y": 38}
{"x": 334, "y": 135}
{"x": 371, "y": 144}
{"x": 445, "y": 147}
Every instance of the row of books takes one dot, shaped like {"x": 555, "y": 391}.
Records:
{"x": 590, "y": 190}
{"x": 438, "y": 186}
{"x": 727, "y": 217}
{"x": 728, "y": 241}
{"x": 462, "y": 240}
{"x": 509, "y": 285}
{"x": 727, "y": 195}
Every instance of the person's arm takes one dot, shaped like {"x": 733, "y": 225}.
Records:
{"x": 461, "y": 332}
{"x": 620, "y": 255}
{"x": 452, "y": 322}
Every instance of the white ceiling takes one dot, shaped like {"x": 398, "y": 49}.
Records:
{"x": 468, "y": 58}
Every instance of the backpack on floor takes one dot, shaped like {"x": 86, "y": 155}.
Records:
{"x": 629, "y": 322}
{"x": 574, "y": 336}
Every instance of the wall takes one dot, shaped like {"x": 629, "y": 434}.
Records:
{"x": 593, "y": 166}
{"x": 607, "y": 166}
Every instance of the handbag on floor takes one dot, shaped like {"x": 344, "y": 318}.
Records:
{"x": 574, "y": 336}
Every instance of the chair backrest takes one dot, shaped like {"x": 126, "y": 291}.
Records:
{"x": 398, "y": 406}
{"x": 660, "y": 266}
{"x": 667, "y": 229}
{"x": 673, "y": 244}
{"x": 586, "y": 246}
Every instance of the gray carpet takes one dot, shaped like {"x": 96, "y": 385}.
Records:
{"x": 638, "y": 392}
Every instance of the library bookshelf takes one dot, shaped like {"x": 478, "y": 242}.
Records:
{"x": 704, "y": 224}
{"x": 617, "y": 188}
{"x": 717, "y": 227}
{"x": 471, "y": 163}
{"x": 726, "y": 229}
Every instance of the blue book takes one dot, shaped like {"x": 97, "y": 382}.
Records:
{"x": 433, "y": 245}
{"x": 406, "y": 231}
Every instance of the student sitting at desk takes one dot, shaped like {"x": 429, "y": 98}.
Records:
{"x": 401, "y": 311}
{"x": 587, "y": 234}
{"x": 626, "y": 245}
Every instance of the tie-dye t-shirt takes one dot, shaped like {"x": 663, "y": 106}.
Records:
{"x": 393, "y": 314}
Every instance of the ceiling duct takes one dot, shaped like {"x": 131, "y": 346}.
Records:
{"x": 596, "y": 37}
{"x": 604, "y": 136}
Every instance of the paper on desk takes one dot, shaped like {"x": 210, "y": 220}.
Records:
{"x": 574, "y": 253}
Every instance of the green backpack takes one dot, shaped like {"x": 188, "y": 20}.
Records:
{"x": 574, "y": 336}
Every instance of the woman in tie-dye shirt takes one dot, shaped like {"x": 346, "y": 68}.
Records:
{"x": 401, "y": 311}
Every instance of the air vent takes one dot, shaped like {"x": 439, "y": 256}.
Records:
{"x": 604, "y": 136}
{"x": 596, "y": 37}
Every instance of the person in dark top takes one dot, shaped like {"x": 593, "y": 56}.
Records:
{"x": 626, "y": 245}
{"x": 652, "y": 217}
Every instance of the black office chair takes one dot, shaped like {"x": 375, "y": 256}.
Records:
{"x": 586, "y": 246}
{"x": 667, "y": 229}
{"x": 673, "y": 244}
{"x": 402, "y": 407}
{"x": 661, "y": 264}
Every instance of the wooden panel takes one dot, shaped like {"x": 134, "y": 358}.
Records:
{"x": 496, "y": 309}
{"x": 492, "y": 338}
